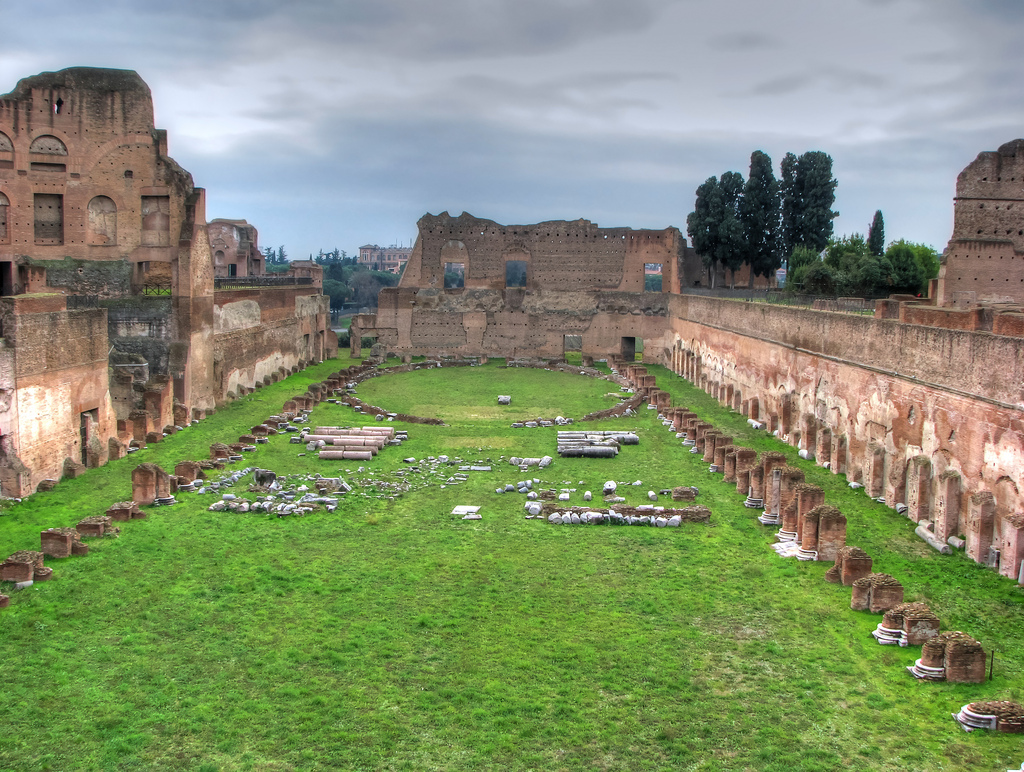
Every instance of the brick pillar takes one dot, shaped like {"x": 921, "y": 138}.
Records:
{"x": 980, "y": 519}
{"x": 946, "y": 516}
{"x": 807, "y": 498}
{"x": 823, "y": 447}
{"x": 729, "y": 466}
{"x": 831, "y": 533}
{"x": 754, "y": 408}
{"x": 837, "y": 457}
{"x": 709, "y": 445}
{"x": 1011, "y": 545}
{"x": 746, "y": 459}
{"x": 919, "y": 489}
{"x": 874, "y": 482}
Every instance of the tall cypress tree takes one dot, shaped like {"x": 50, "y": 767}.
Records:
{"x": 761, "y": 217}
{"x": 791, "y": 205}
{"x": 817, "y": 191}
{"x": 876, "y": 235}
{"x": 702, "y": 223}
{"x": 732, "y": 242}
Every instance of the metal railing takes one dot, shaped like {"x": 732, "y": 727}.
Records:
{"x": 852, "y": 305}
{"x": 80, "y": 302}
{"x": 233, "y": 282}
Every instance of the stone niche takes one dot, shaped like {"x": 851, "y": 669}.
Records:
{"x": 876, "y": 593}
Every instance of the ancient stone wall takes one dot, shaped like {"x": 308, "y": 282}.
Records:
{"x": 569, "y": 256}
{"x": 235, "y": 248}
{"x": 54, "y": 396}
{"x": 250, "y": 346}
{"x": 919, "y": 415}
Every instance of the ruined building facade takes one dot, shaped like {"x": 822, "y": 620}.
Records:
{"x": 113, "y": 321}
{"x": 921, "y": 410}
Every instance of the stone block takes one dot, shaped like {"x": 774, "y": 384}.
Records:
{"x": 153, "y": 437}
{"x": 58, "y": 542}
{"x": 123, "y": 511}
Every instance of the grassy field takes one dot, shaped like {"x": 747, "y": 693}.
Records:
{"x": 391, "y": 635}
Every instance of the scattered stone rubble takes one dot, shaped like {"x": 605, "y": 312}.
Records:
{"x": 657, "y": 517}
{"x": 600, "y": 444}
{"x": 999, "y": 715}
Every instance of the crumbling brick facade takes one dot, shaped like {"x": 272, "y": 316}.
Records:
{"x": 984, "y": 260}
{"x": 92, "y": 206}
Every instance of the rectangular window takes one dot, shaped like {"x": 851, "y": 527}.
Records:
{"x": 515, "y": 273}
{"x": 652, "y": 277}
{"x": 454, "y": 275}
{"x": 49, "y": 219}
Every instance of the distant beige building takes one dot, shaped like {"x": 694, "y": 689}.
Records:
{"x": 390, "y": 259}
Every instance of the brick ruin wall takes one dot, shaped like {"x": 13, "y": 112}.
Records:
{"x": 257, "y": 332}
{"x": 984, "y": 260}
{"x": 917, "y": 414}
{"x": 53, "y": 390}
{"x": 91, "y": 204}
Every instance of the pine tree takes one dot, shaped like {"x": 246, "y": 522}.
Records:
{"x": 876, "y": 235}
{"x": 702, "y": 223}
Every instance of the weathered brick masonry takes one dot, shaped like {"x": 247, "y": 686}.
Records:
{"x": 92, "y": 205}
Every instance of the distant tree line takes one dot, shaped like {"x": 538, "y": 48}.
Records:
{"x": 765, "y": 223}
{"x": 348, "y": 284}
{"x": 758, "y": 222}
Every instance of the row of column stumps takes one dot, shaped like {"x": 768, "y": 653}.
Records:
{"x": 810, "y": 529}
{"x": 936, "y": 502}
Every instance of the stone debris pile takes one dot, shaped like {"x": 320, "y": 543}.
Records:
{"x": 998, "y": 715}
{"x": 652, "y": 517}
{"x": 524, "y": 463}
{"x": 350, "y": 443}
{"x": 598, "y": 444}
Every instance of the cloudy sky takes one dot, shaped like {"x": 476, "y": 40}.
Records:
{"x": 335, "y": 124}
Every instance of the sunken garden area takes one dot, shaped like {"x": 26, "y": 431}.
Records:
{"x": 372, "y": 618}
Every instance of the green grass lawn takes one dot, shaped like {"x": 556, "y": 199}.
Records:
{"x": 392, "y": 635}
